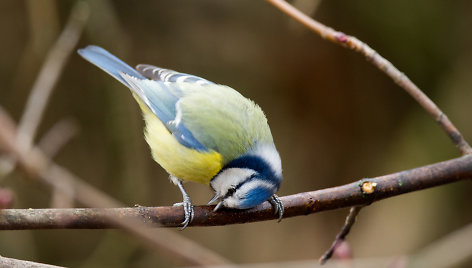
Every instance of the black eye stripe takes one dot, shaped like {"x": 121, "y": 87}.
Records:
{"x": 232, "y": 190}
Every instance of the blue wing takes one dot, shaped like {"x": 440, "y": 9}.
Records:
{"x": 160, "y": 97}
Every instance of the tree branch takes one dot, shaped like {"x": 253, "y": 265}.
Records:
{"x": 352, "y": 194}
{"x": 382, "y": 64}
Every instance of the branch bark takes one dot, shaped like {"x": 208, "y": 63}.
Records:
{"x": 352, "y": 194}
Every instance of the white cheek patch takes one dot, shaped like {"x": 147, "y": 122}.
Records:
{"x": 271, "y": 156}
{"x": 229, "y": 178}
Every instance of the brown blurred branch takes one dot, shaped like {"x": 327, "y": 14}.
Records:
{"x": 37, "y": 165}
{"x": 9, "y": 262}
{"x": 48, "y": 77}
{"x": 51, "y": 142}
{"x": 18, "y": 143}
{"x": 295, "y": 205}
{"x": 49, "y": 74}
{"x": 56, "y": 137}
{"x": 382, "y": 64}
{"x": 452, "y": 250}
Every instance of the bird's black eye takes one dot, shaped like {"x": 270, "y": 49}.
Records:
{"x": 231, "y": 191}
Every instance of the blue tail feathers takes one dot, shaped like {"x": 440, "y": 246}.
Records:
{"x": 108, "y": 62}
{"x": 161, "y": 99}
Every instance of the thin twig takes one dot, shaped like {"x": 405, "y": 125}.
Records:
{"x": 49, "y": 74}
{"x": 382, "y": 64}
{"x": 350, "y": 220}
{"x": 349, "y": 195}
{"x": 37, "y": 165}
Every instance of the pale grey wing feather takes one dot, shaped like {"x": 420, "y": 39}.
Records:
{"x": 165, "y": 75}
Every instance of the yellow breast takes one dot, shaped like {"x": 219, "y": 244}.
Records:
{"x": 182, "y": 162}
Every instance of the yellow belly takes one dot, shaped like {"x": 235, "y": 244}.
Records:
{"x": 182, "y": 162}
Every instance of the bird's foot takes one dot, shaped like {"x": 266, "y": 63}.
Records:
{"x": 188, "y": 211}
{"x": 186, "y": 203}
{"x": 278, "y": 206}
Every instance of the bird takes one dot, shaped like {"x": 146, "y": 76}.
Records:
{"x": 202, "y": 132}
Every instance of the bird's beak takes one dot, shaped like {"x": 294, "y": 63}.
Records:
{"x": 214, "y": 199}
{"x": 218, "y": 206}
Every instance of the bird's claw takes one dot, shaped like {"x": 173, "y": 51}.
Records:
{"x": 188, "y": 211}
{"x": 186, "y": 203}
{"x": 278, "y": 206}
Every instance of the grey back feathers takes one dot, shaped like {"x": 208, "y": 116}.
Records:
{"x": 165, "y": 75}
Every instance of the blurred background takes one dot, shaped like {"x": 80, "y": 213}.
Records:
{"x": 335, "y": 118}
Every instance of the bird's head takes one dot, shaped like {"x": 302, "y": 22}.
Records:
{"x": 248, "y": 180}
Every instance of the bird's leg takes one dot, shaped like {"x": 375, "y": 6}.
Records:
{"x": 278, "y": 206}
{"x": 186, "y": 203}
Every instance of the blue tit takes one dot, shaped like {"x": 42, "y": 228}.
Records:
{"x": 202, "y": 132}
